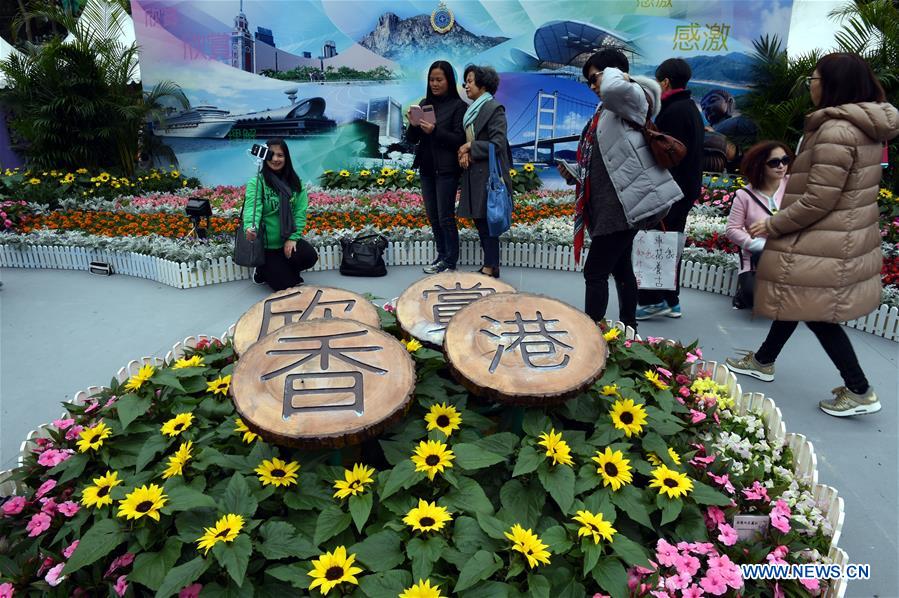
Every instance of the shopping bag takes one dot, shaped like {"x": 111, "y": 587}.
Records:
{"x": 655, "y": 257}
{"x": 499, "y": 198}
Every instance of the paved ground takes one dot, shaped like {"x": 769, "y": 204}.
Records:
{"x": 62, "y": 331}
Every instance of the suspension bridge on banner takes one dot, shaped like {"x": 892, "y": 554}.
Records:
{"x": 549, "y": 119}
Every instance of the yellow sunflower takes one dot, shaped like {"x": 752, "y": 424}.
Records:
{"x": 219, "y": 385}
{"x": 189, "y": 362}
{"x": 69, "y": 178}
{"x": 178, "y": 460}
{"x": 277, "y": 472}
{"x": 136, "y": 381}
{"x": 92, "y": 438}
{"x": 593, "y": 525}
{"x": 423, "y": 589}
{"x": 103, "y": 177}
{"x": 34, "y": 181}
{"x": 344, "y": 173}
{"x": 98, "y": 495}
{"x": 427, "y": 517}
{"x": 673, "y": 484}
{"x": 556, "y": 448}
{"x": 143, "y": 501}
{"x": 248, "y": 435}
{"x": 513, "y": 173}
{"x": 177, "y": 424}
{"x": 610, "y": 390}
{"x": 411, "y": 346}
{"x": 81, "y": 171}
{"x": 528, "y": 543}
{"x": 612, "y": 334}
{"x": 529, "y": 167}
{"x": 613, "y": 468}
{"x": 410, "y": 177}
{"x": 654, "y": 459}
{"x": 364, "y": 173}
{"x": 332, "y": 569}
{"x": 628, "y": 417}
{"x": 432, "y": 456}
{"x": 381, "y": 181}
{"x": 443, "y": 417}
{"x": 225, "y": 530}
{"x": 654, "y": 378}
{"x": 354, "y": 481}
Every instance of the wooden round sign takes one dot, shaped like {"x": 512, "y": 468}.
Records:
{"x": 425, "y": 308}
{"x": 300, "y": 304}
{"x": 323, "y": 383}
{"x": 524, "y": 349}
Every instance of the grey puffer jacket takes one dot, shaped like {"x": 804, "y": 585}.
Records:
{"x": 644, "y": 189}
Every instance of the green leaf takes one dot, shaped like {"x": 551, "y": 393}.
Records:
{"x": 522, "y": 504}
{"x": 402, "y": 476}
{"x": 360, "y": 508}
{"x": 387, "y": 584}
{"x": 234, "y": 556}
{"x": 571, "y": 589}
{"x": 704, "y": 494}
{"x": 296, "y": 574}
{"x": 237, "y": 498}
{"x": 653, "y": 443}
{"x": 538, "y": 586}
{"x": 99, "y": 541}
{"x": 380, "y": 551}
{"x": 150, "y": 568}
{"x": 492, "y": 526}
{"x": 154, "y": 445}
{"x": 471, "y": 456}
{"x": 280, "y": 540}
{"x": 424, "y": 552}
{"x": 468, "y": 537}
{"x": 691, "y": 525}
{"x": 630, "y": 552}
{"x": 130, "y": 407}
{"x": 535, "y": 422}
{"x": 73, "y": 467}
{"x": 556, "y": 538}
{"x": 331, "y": 522}
{"x": 468, "y": 497}
{"x": 528, "y": 460}
{"x": 644, "y": 354}
{"x": 630, "y": 501}
{"x": 559, "y": 481}
{"x": 491, "y": 589}
{"x": 503, "y": 443}
{"x": 479, "y": 567}
{"x": 611, "y": 576}
{"x": 182, "y": 575}
{"x": 592, "y": 552}
{"x": 167, "y": 378}
{"x": 184, "y": 498}
{"x": 671, "y": 508}
{"x": 395, "y": 452}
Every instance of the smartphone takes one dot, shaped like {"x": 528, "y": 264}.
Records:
{"x": 259, "y": 151}
{"x": 428, "y": 114}
{"x": 570, "y": 167}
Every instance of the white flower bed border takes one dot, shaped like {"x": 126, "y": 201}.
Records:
{"x": 883, "y": 322}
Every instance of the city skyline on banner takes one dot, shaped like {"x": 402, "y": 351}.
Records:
{"x": 335, "y": 77}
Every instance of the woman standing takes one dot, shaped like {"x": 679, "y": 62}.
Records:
{"x": 484, "y": 123}
{"x": 435, "y": 158}
{"x": 822, "y": 260}
{"x": 276, "y": 197}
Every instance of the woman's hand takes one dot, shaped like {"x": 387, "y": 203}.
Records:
{"x": 426, "y": 127}
{"x": 289, "y": 247}
{"x": 759, "y": 228}
{"x": 566, "y": 175}
{"x": 465, "y": 160}
{"x": 250, "y": 233}
{"x": 409, "y": 117}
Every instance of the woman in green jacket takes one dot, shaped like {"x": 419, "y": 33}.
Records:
{"x": 276, "y": 199}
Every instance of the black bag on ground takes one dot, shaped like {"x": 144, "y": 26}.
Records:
{"x": 744, "y": 298}
{"x": 363, "y": 256}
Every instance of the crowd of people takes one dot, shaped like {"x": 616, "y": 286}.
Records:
{"x": 806, "y": 222}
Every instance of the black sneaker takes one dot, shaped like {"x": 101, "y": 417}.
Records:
{"x": 258, "y": 277}
{"x": 438, "y": 268}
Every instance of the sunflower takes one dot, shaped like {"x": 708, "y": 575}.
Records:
{"x": 146, "y": 500}
{"x": 427, "y": 517}
{"x": 612, "y": 334}
{"x": 593, "y": 525}
{"x": 529, "y": 167}
{"x": 224, "y": 530}
{"x": 354, "y": 481}
{"x": 610, "y": 390}
{"x": 248, "y": 436}
{"x": 443, "y": 417}
{"x": 628, "y": 417}
{"x": 103, "y": 177}
{"x": 178, "y": 460}
{"x": 98, "y": 495}
{"x": 69, "y": 178}
{"x": 136, "y": 381}
{"x": 364, "y": 173}
{"x": 381, "y": 181}
{"x": 556, "y": 448}
{"x": 672, "y": 483}
{"x": 344, "y": 173}
{"x": 614, "y": 469}
{"x": 654, "y": 378}
{"x": 654, "y": 459}
{"x": 34, "y": 181}
{"x": 81, "y": 171}
{"x": 423, "y": 589}
{"x": 277, "y": 472}
{"x": 332, "y": 569}
{"x": 93, "y": 437}
{"x": 220, "y": 385}
{"x": 410, "y": 177}
{"x": 513, "y": 173}
{"x": 386, "y": 171}
{"x": 528, "y": 543}
{"x": 191, "y": 362}
{"x": 432, "y": 456}
{"x": 177, "y": 424}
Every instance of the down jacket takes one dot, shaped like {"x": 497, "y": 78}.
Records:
{"x": 823, "y": 258}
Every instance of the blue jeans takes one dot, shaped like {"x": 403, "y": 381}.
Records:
{"x": 489, "y": 244}
{"x": 439, "y": 195}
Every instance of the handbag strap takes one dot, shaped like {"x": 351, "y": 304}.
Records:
{"x": 255, "y": 200}
{"x": 491, "y": 157}
{"x": 758, "y": 201}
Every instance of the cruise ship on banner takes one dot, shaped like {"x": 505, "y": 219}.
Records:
{"x": 198, "y": 122}
{"x": 300, "y": 119}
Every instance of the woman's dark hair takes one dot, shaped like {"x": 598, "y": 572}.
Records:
{"x": 847, "y": 79}
{"x": 450, "y": 74}
{"x": 287, "y": 174}
{"x": 485, "y": 77}
{"x": 676, "y": 70}
{"x": 605, "y": 58}
{"x": 752, "y": 167}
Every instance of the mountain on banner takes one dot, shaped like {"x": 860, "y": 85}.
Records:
{"x": 397, "y": 38}
{"x": 735, "y": 68}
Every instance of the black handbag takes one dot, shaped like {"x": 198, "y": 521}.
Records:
{"x": 364, "y": 256}
{"x": 744, "y": 297}
{"x": 249, "y": 253}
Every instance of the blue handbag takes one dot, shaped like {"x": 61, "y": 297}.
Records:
{"x": 499, "y": 199}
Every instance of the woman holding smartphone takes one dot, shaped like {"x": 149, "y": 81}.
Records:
{"x": 435, "y": 158}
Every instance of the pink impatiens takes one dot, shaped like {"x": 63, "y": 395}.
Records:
{"x": 14, "y": 506}
{"x": 780, "y": 516}
{"x": 53, "y": 457}
{"x": 38, "y": 524}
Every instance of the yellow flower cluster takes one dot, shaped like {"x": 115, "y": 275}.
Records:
{"x": 707, "y": 387}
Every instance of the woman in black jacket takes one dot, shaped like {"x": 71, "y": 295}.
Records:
{"x": 435, "y": 158}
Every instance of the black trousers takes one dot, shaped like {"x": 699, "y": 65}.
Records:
{"x": 282, "y": 273}
{"x": 489, "y": 244}
{"x": 611, "y": 254}
{"x": 439, "y": 195}
{"x": 835, "y": 342}
{"x": 674, "y": 221}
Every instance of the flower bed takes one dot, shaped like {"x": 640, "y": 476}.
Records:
{"x": 153, "y": 484}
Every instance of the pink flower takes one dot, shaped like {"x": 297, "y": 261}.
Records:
{"x": 652, "y": 340}
{"x": 688, "y": 566}
{"x": 121, "y": 585}
{"x": 666, "y": 553}
{"x": 110, "y": 402}
{"x": 723, "y": 481}
{"x": 812, "y": 585}
{"x": 728, "y": 535}
{"x": 684, "y": 392}
{"x": 702, "y": 462}
{"x": 757, "y": 492}
{"x": 92, "y": 406}
{"x": 715, "y": 417}
{"x": 53, "y": 457}
{"x": 714, "y": 517}
{"x": 14, "y": 506}
{"x": 598, "y": 595}
{"x": 69, "y": 508}
{"x": 119, "y": 563}
{"x": 191, "y": 591}
{"x": 777, "y": 555}
{"x": 664, "y": 372}
{"x": 703, "y": 548}
{"x": 692, "y": 592}
{"x": 53, "y": 576}
{"x": 778, "y": 593}
{"x": 683, "y": 380}
{"x": 38, "y": 524}
{"x": 7, "y": 590}
{"x": 45, "y": 488}
{"x": 727, "y": 570}
{"x": 698, "y": 352}
{"x": 713, "y": 584}
{"x": 780, "y": 516}
{"x": 73, "y": 432}
{"x": 63, "y": 424}
{"x": 696, "y": 416}
{"x": 48, "y": 506}
{"x": 627, "y": 344}
{"x": 677, "y": 582}
{"x": 70, "y": 549}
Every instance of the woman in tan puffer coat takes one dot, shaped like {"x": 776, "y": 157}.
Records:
{"x": 821, "y": 264}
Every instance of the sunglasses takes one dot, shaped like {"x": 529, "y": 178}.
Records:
{"x": 808, "y": 81}
{"x": 591, "y": 80}
{"x": 777, "y": 162}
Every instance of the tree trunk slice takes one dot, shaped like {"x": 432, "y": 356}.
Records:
{"x": 300, "y": 304}
{"x": 489, "y": 356}
{"x": 323, "y": 384}
{"x": 425, "y": 308}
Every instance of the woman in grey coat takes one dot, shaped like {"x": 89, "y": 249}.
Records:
{"x": 484, "y": 123}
